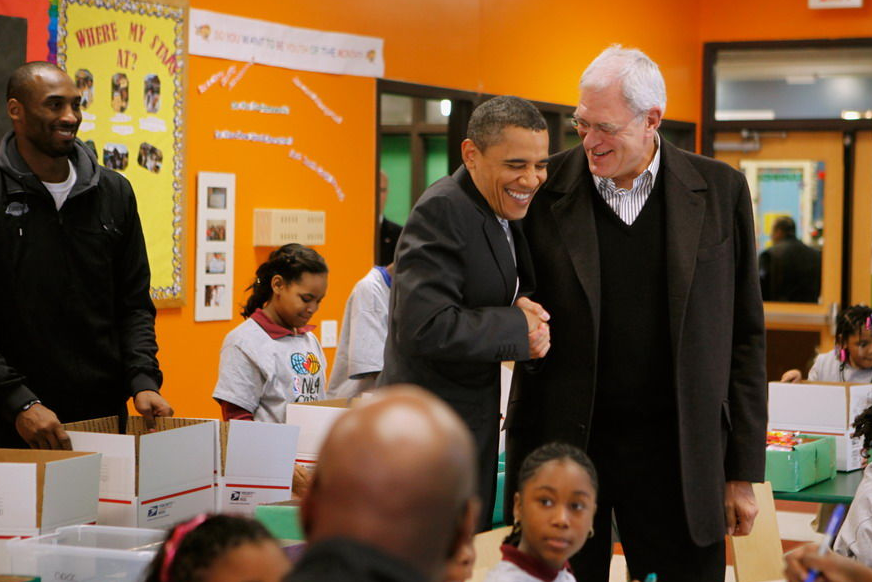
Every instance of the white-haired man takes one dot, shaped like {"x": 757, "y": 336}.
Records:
{"x": 645, "y": 260}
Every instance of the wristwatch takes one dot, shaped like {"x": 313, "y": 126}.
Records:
{"x": 29, "y": 404}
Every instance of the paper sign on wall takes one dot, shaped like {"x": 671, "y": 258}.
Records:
{"x": 224, "y": 36}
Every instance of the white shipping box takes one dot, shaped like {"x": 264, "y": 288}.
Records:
{"x": 816, "y": 407}
{"x": 315, "y": 420}
{"x": 151, "y": 479}
{"x": 256, "y": 464}
{"x": 822, "y": 408}
{"x": 41, "y": 491}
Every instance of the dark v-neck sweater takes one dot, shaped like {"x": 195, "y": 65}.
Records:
{"x": 634, "y": 377}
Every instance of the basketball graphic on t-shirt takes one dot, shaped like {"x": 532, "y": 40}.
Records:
{"x": 305, "y": 364}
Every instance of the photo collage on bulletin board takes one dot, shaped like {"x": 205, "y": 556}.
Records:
{"x": 216, "y": 201}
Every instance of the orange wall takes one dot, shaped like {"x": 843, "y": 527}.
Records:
{"x": 497, "y": 46}
{"x": 539, "y": 49}
{"x": 740, "y": 20}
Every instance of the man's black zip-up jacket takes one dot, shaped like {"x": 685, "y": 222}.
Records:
{"x": 76, "y": 317}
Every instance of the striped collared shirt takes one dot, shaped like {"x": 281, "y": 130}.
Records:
{"x": 627, "y": 204}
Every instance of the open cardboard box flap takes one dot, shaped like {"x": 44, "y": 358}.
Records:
{"x": 67, "y": 483}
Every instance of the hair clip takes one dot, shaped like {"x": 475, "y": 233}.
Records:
{"x": 171, "y": 545}
{"x": 869, "y": 323}
{"x": 843, "y": 355}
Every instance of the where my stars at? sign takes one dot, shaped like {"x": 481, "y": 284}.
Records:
{"x": 126, "y": 58}
{"x": 90, "y": 36}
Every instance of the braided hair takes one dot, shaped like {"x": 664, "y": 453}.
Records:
{"x": 852, "y": 320}
{"x": 863, "y": 428}
{"x": 193, "y": 552}
{"x": 290, "y": 261}
{"x": 533, "y": 462}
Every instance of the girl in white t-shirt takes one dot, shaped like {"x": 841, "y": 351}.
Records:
{"x": 273, "y": 358}
{"x": 851, "y": 361}
{"x": 553, "y": 514}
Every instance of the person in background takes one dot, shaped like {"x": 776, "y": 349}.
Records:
{"x": 77, "y": 333}
{"x": 645, "y": 258}
{"x": 458, "y": 305}
{"x": 851, "y": 361}
{"x": 789, "y": 269}
{"x": 393, "y": 496}
{"x": 388, "y": 230}
{"x": 360, "y": 354}
{"x": 553, "y": 516}
{"x": 219, "y": 548}
{"x": 273, "y": 358}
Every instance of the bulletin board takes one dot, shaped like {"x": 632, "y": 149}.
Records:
{"x": 126, "y": 56}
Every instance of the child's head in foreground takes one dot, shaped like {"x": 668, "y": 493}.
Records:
{"x": 219, "y": 548}
{"x": 555, "y": 503}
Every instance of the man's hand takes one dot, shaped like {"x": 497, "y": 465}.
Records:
{"x": 832, "y": 567}
{"x": 740, "y": 507}
{"x": 792, "y": 376}
{"x": 539, "y": 333}
{"x": 301, "y": 481}
{"x": 150, "y": 404}
{"x": 41, "y": 429}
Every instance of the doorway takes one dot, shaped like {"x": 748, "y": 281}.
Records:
{"x": 789, "y": 114}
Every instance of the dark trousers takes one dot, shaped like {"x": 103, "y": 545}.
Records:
{"x": 483, "y": 420}
{"x": 640, "y": 483}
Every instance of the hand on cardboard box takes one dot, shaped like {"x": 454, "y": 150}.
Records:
{"x": 832, "y": 567}
{"x": 740, "y": 507}
{"x": 40, "y": 428}
{"x": 792, "y": 376}
{"x": 150, "y": 404}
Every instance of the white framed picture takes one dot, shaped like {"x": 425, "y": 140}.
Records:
{"x": 216, "y": 203}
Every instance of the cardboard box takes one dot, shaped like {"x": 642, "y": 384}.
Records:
{"x": 849, "y": 450}
{"x": 256, "y": 464}
{"x": 315, "y": 420}
{"x": 41, "y": 491}
{"x": 152, "y": 479}
{"x": 808, "y": 463}
{"x": 87, "y": 552}
{"x": 817, "y": 407}
{"x": 822, "y": 408}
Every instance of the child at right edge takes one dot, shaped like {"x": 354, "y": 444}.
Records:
{"x": 855, "y": 537}
{"x": 851, "y": 361}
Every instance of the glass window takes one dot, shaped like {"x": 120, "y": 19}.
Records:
{"x": 801, "y": 83}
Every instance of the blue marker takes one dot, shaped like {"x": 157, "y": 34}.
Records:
{"x": 832, "y": 527}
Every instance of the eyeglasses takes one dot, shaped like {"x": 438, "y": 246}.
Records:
{"x": 609, "y": 129}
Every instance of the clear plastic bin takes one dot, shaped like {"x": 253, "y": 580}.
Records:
{"x": 85, "y": 553}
